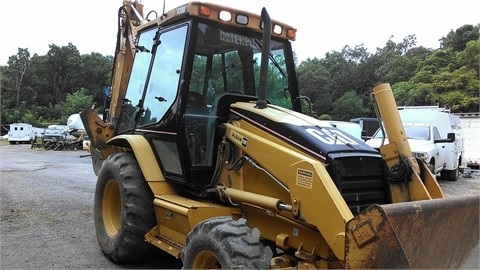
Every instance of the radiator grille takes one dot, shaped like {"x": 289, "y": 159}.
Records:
{"x": 360, "y": 181}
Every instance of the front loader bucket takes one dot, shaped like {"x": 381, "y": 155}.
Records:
{"x": 439, "y": 233}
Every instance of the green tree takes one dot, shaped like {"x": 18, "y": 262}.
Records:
{"x": 94, "y": 75}
{"x": 314, "y": 82}
{"x": 63, "y": 65}
{"x": 458, "y": 39}
{"x": 402, "y": 93}
{"x": 74, "y": 103}
{"x": 403, "y": 67}
{"x": 348, "y": 106}
{"x": 18, "y": 65}
{"x": 470, "y": 56}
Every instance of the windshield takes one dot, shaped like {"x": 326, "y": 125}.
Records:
{"x": 228, "y": 61}
{"x": 52, "y": 132}
{"x": 412, "y": 132}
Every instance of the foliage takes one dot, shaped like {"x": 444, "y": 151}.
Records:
{"x": 457, "y": 40}
{"x": 46, "y": 89}
{"x": 74, "y": 103}
{"x": 325, "y": 117}
{"x": 448, "y": 76}
{"x": 348, "y": 106}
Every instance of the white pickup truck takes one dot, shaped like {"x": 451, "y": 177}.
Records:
{"x": 434, "y": 135}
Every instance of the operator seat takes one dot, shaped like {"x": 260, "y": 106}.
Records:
{"x": 196, "y": 103}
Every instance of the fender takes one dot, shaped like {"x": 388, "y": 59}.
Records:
{"x": 143, "y": 153}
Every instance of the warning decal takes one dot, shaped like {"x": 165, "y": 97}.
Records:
{"x": 304, "y": 178}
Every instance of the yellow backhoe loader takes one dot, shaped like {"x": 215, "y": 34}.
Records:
{"x": 204, "y": 153}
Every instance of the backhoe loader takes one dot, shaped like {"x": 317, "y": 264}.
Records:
{"x": 205, "y": 152}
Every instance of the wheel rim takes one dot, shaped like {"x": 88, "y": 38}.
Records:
{"x": 206, "y": 259}
{"x": 111, "y": 207}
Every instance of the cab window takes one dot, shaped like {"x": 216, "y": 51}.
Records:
{"x": 165, "y": 76}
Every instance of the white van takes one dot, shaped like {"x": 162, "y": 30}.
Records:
{"x": 21, "y": 133}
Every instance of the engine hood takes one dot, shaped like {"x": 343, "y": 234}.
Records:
{"x": 415, "y": 145}
{"x": 418, "y": 145}
{"x": 376, "y": 142}
{"x": 319, "y": 138}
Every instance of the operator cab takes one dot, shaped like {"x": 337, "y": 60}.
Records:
{"x": 186, "y": 73}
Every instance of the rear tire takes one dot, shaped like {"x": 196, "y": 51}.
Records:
{"x": 224, "y": 243}
{"x": 123, "y": 210}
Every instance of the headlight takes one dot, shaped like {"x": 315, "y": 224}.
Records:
{"x": 421, "y": 155}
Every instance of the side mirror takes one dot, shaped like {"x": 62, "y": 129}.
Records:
{"x": 450, "y": 138}
{"x": 364, "y": 135}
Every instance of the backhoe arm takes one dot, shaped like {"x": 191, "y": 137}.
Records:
{"x": 130, "y": 16}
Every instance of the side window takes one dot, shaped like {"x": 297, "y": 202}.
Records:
{"x": 277, "y": 93}
{"x": 224, "y": 74}
{"x": 136, "y": 84}
{"x": 436, "y": 134}
{"x": 165, "y": 75}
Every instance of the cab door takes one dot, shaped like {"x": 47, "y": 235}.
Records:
{"x": 440, "y": 150}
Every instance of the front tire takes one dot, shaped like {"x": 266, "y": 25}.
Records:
{"x": 225, "y": 243}
{"x": 123, "y": 210}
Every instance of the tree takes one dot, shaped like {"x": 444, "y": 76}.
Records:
{"x": 74, "y": 103}
{"x": 63, "y": 65}
{"x": 314, "y": 82}
{"x": 403, "y": 67}
{"x": 470, "y": 56}
{"x": 401, "y": 92}
{"x": 458, "y": 39}
{"x": 18, "y": 65}
{"x": 348, "y": 106}
{"x": 457, "y": 89}
{"x": 94, "y": 74}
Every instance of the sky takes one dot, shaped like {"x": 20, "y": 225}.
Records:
{"x": 322, "y": 26}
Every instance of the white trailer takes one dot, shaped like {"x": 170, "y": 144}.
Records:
{"x": 21, "y": 133}
{"x": 471, "y": 130}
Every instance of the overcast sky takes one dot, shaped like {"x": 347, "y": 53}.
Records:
{"x": 322, "y": 26}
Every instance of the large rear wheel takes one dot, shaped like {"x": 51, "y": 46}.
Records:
{"x": 225, "y": 243}
{"x": 123, "y": 209}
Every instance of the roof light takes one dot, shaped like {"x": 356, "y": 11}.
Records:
{"x": 225, "y": 16}
{"x": 291, "y": 33}
{"x": 277, "y": 29}
{"x": 242, "y": 19}
{"x": 205, "y": 11}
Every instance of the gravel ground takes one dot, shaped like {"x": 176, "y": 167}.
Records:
{"x": 47, "y": 208}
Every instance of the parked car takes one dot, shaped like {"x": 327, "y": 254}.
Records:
{"x": 52, "y": 134}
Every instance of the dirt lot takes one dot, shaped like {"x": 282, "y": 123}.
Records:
{"x": 47, "y": 207}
